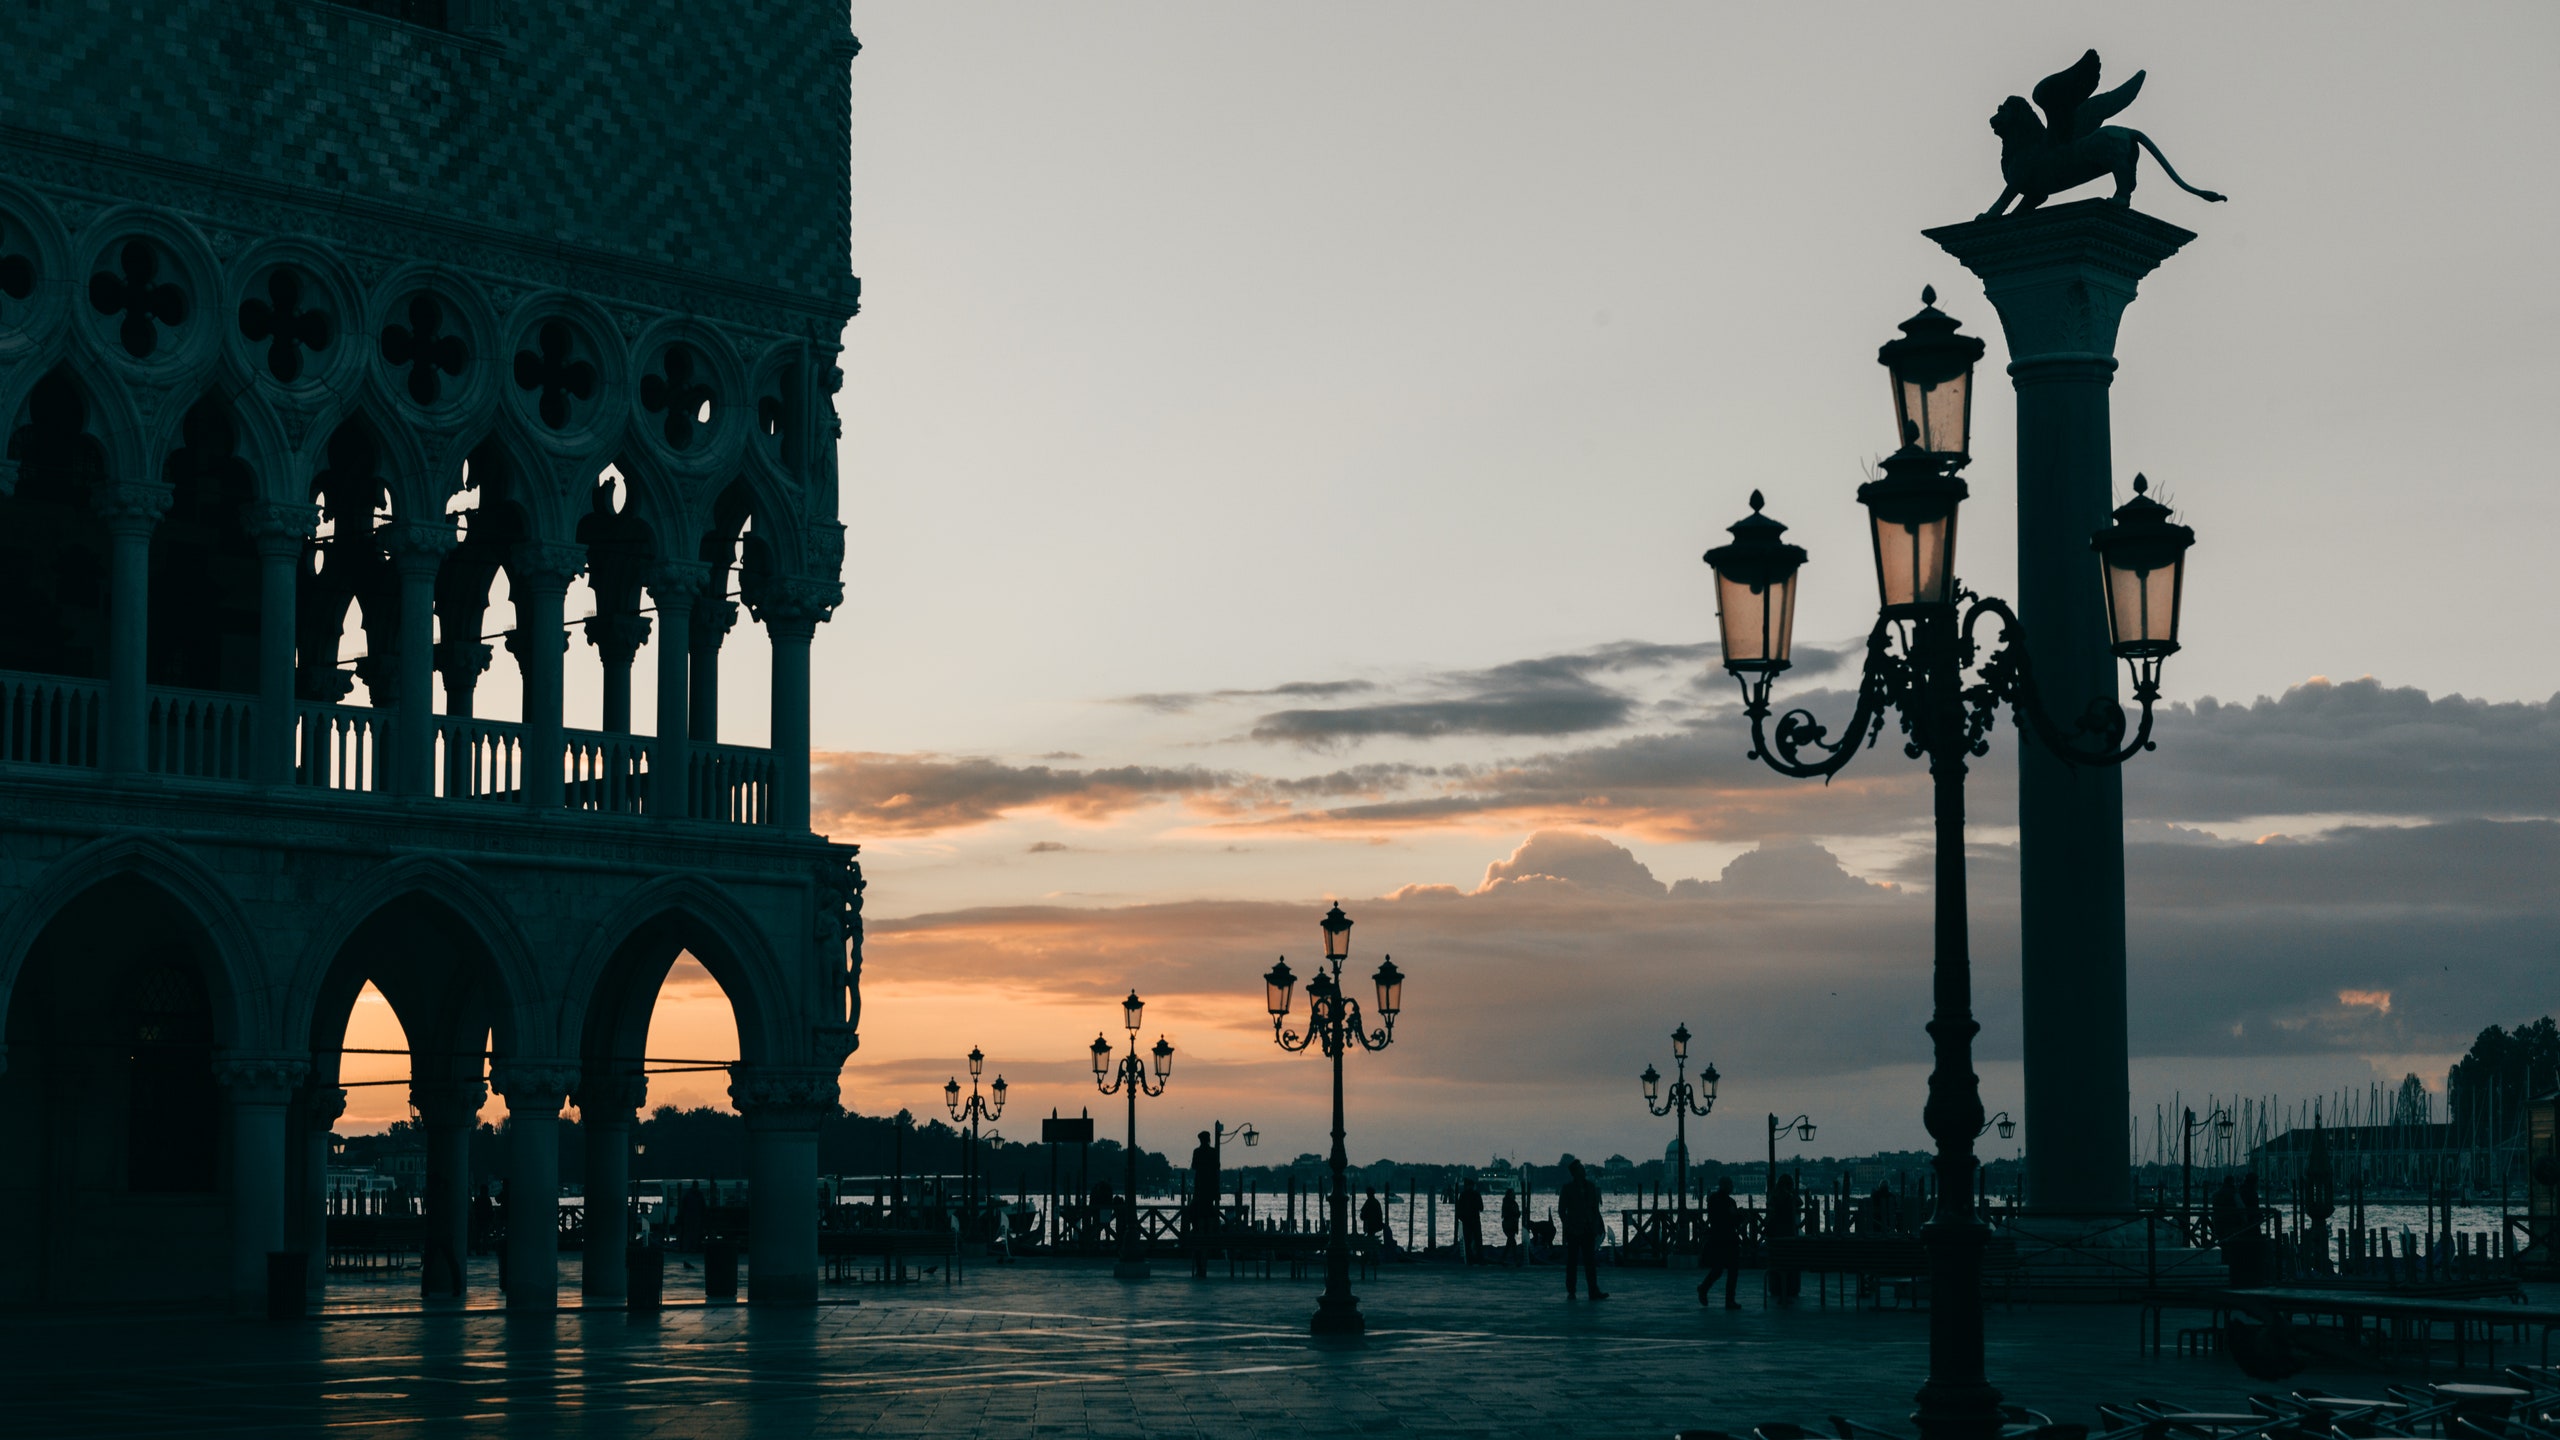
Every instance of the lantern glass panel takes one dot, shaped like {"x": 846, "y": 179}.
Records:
{"x": 1936, "y": 416}
{"x": 1757, "y": 621}
{"x": 1915, "y": 560}
{"x": 2142, "y": 607}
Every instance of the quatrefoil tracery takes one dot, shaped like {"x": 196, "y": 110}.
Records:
{"x": 284, "y": 324}
{"x": 685, "y": 399}
{"x": 17, "y": 272}
{"x": 554, "y": 373}
{"x": 424, "y": 348}
{"x": 135, "y": 290}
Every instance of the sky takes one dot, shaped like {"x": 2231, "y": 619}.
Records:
{"x": 1278, "y": 445}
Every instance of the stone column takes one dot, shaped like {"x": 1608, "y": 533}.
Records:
{"x": 317, "y": 1110}
{"x": 673, "y": 584}
{"x": 538, "y": 576}
{"x": 281, "y": 531}
{"x": 617, "y": 639}
{"x": 448, "y": 1110}
{"x": 535, "y": 1091}
{"x": 131, "y": 511}
{"x": 791, "y": 611}
{"x": 258, "y": 1089}
{"x": 418, "y": 548}
{"x": 2061, "y": 278}
{"x": 605, "y": 1105}
{"x": 712, "y": 617}
{"x": 783, "y": 1106}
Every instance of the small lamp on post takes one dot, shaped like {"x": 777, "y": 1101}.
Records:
{"x": 1932, "y": 370}
{"x": 1756, "y": 593}
{"x": 1683, "y": 1101}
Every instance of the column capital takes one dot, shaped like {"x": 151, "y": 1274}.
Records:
{"x": 612, "y": 1097}
{"x": 324, "y": 1104}
{"x": 448, "y": 1102}
{"x": 782, "y": 1096}
{"x": 260, "y": 1079}
{"x": 534, "y": 1084}
{"x": 418, "y": 547}
{"x": 2061, "y": 276}
{"x": 130, "y": 507}
{"x": 461, "y": 660}
{"x": 545, "y": 564}
{"x": 619, "y": 637}
{"x": 795, "y": 607}
{"x": 280, "y": 527}
{"x": 675, "y": 583}
{"x": 713, "y": 616}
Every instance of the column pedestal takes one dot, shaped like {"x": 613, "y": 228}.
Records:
{"x": 783, "y": 1108}
{"x": 2061, "y": 278}
{"x": 605, "y": 1106}
{"x": 259, "y": 1089}
{"x": 534, "y": 1091}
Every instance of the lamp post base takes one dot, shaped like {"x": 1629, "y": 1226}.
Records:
{"x": 1337, "y": 1315}
{"x": 1127, "y": 1269}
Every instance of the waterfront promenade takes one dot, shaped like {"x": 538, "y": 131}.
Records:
{"x": 1043, "y": 1349}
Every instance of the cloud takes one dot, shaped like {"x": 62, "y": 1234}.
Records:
{"x": 1593, "y": 862}
{"x": 2357, "y": 748}
{"x": 1046, "y": 847}
{"x": 1797, "y": 872}
{"x": 866, "y": 794}
{"x": 1562, "y": 694}
{"x": 1179, "y": 702}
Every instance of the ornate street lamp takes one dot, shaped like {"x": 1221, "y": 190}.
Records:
{"x": 977, "y": 1107}
{"x": 1917, "y": 658}
{"x": 1130, "y": 1074}
{"x": 1333, "y": 1023}
{"x": 1680, "y": 1104}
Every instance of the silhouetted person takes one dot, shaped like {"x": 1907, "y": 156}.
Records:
{"x": 1470, "y": 1222}
{"x": 2228, "y": 1222}
{"x": 1880, "y": 1216}
{"x": 1511, "y": 1221}
{"x": 1101, "y": 1206}
{"x": 1201, "y": 1225}
{"x": 1578, "y": 1206}
{"x": 1786, "y": 1213}
{"x": 1373, "y": 1216}
{"x": 1723, "y": 1255}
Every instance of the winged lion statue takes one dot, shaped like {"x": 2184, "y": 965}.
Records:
{"x": 2073, "y": 144}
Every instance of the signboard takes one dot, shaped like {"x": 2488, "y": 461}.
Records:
{"x": 1073, "y": 1130}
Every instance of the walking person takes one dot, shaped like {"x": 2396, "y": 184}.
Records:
{"x": 1373, "y": 1216}
{"x": 1578, "y": 1206}
{"x": 1511, "y": 1224}
{"x": 1723, "y": 1254}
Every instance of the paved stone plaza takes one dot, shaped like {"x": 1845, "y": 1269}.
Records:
{"x": 1064, "y": 1350}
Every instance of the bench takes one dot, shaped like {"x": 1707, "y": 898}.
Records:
{"x": 1875, "y": 1264}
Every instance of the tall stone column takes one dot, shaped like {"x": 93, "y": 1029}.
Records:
{"x": 448, "y": 1110}
{"x": 418, "y": 548}
{"x": 783, "y": 1106}
{"x": 316, "y": 1112}
{"x": 2061, "y": 278}
{"x": 713, "y": 615}
{"x": 673, "y": 585}
{"x": 605, "y": 1105}
{"x": 132, "y": 511}
{"x": 792, "y": 611}
{"x": 535, "y": 1090}
{"x": 281, "y": 531}
{"x": 258, "y": 1089}
{"x": 539, "y": 572}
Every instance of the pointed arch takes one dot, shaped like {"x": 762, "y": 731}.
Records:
{"x": 696, "y": 915}
{"x": 241, "y": 1020}
{"x": 518, "y": 1022}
